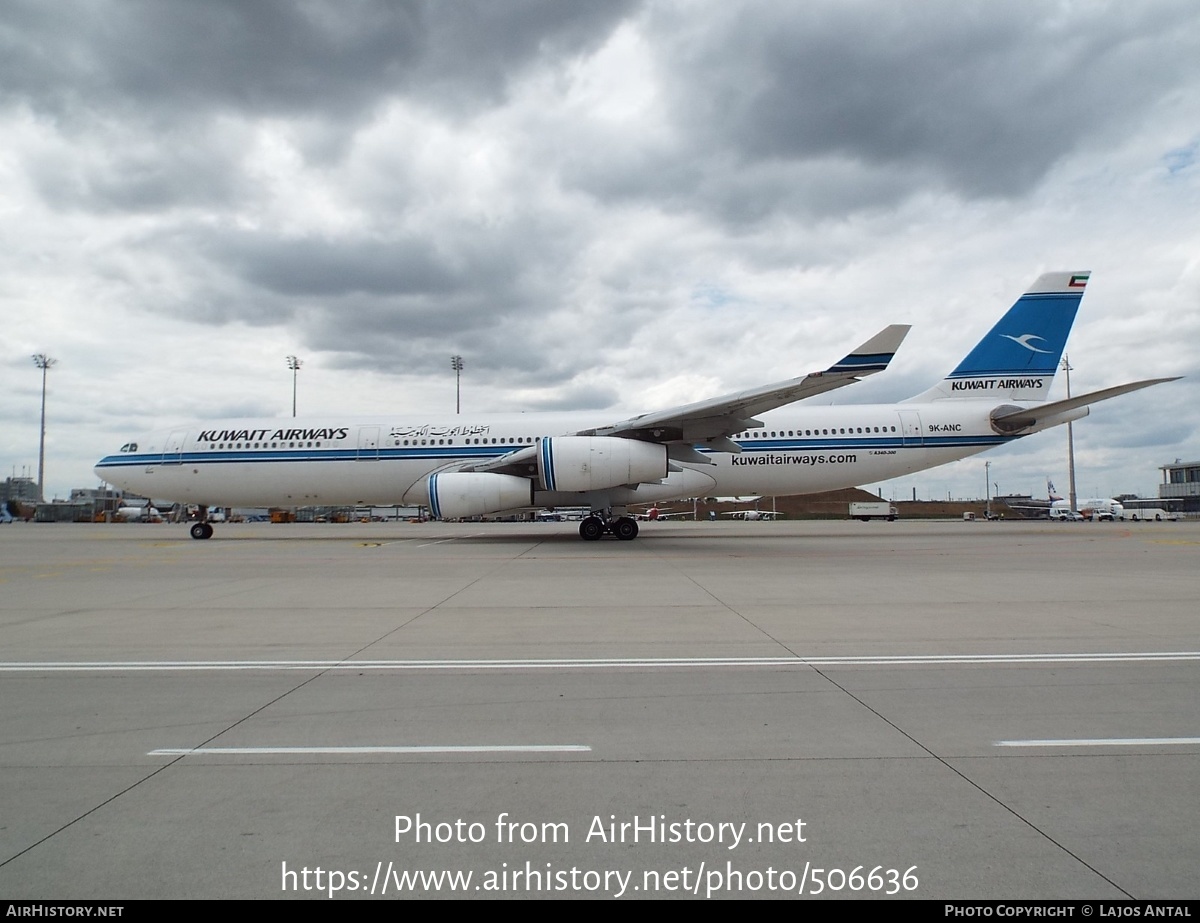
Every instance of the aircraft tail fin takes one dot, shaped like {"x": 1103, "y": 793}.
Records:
{"x": 1018, "y": 358}
{"x": 1050, "y": 491}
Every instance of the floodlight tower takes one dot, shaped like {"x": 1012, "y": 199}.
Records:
{"x": 456, "y": 363}
{"x": 294, "y": 364}
{"x": 43, "y": 362}
{"x": 1066, "y": 365}
{"x": 987, "y": 479}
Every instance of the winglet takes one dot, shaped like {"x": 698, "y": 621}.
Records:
{"x": 875, "y": 354}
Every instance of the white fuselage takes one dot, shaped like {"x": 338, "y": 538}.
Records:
{"x": 1093, "y": 508}
{"x": 335, "y": 460}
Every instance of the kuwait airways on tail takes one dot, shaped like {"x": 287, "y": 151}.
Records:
{"x": 751, "y": 442}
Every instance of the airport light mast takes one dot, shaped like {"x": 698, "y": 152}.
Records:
{"x": 456, "y": 363}
{"x": 294, "y": 364}
{"x": 43, "y": 362}
{"x": 987, "y": 488}
{"x": 1066, "y": 365}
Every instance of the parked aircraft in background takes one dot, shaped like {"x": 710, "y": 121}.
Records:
{"x": 745, "y": 442}
{"x": 752, "y": 515}
{"x": 133, "y": 513}
{"x": 1097, "y": 508}
{"x": 655, "y": 513}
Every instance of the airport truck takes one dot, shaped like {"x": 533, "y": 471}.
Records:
{"x": 873, "y": 510}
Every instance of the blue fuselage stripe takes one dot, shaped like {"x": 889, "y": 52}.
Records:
{"x": 445, "y": 454}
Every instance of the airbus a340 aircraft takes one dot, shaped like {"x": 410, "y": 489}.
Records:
{"x": 474, "y": 465}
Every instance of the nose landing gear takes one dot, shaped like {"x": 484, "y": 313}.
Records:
{"x": 202, "y": 529}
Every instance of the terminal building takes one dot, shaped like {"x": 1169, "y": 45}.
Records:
{"x": 19, "y": 490}
{"x": 1181, "y": 485}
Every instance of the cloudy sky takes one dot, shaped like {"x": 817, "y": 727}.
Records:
{"x": 600, "y": 205}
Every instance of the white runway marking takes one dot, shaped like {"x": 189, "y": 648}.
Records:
{"x": 348, "y": 751}
{"x": 596, "y": 664}
{"x": 453, "y": 538}
{"x": 1105, "y": 742}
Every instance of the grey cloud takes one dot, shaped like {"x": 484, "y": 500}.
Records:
{"x": 156, "y": 97}
{"x": 318, "y": 267}
{"x": 578, "y": 397}
{"x": 989, "y": 97}
{"x": 820, "y": 109}
{"x": 278, "y": 57}
{"x": 140, "y": 172}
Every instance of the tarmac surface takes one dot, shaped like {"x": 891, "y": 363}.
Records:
{"x": 916, "y": 709}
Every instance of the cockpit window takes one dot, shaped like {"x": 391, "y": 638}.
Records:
{"x": 129, "y": 447}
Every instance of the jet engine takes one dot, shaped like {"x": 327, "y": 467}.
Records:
{"x": 582, "y": 463}
{"x": 458, "y": 495}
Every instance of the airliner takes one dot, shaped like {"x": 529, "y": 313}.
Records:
{"x": 130, "y": 513}
{"x": 752, "y": 515}
{"x": 1097, "y": 508}
{"x": 748, "y": 442}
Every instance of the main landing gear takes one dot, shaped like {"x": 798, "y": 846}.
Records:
{"x": 203, "y": 528}
{"x": 625, "y": 528}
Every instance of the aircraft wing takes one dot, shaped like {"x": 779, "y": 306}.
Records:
{"x": 1031, "y": 416}
{"x": 714, "y": 420}
{"x": 522, "y": 462}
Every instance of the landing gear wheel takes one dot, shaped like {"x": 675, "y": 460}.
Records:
{"x": 625, "y": 529}
{"x": 201, "y": 530}
{"x": 591, "y": 529}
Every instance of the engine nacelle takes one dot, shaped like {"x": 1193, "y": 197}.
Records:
{"x": 457, "y": 495}
{"x": 581, "y": 463}
{"x": 1014, "y": 425}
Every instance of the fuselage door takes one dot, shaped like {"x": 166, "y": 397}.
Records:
{"x": 368, "y": 443}
{"x": 910, "y": 427}
{"x": 173, "y": 447}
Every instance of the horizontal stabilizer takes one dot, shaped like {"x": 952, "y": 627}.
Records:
{"x": 1031, "y": 416}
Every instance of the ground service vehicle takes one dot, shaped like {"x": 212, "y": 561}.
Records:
{"x": 873, "y": 510}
